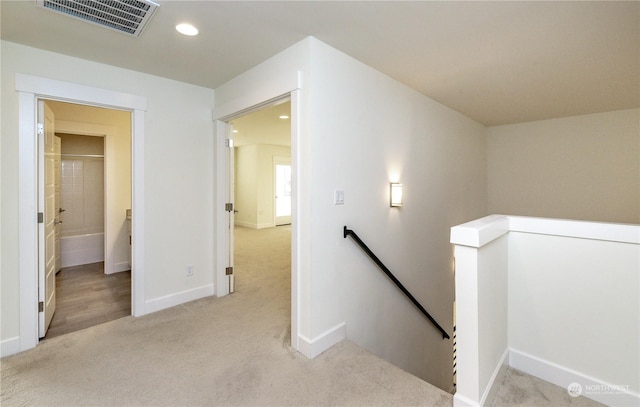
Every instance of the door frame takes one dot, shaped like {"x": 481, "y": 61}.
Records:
{"x": 107, "y": 133}
{"x": 221, "y": 116}
{"x": 30, "y": 89}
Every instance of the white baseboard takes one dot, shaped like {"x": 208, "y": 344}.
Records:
{"x": 119, "y": 267}
{"x": 494, "y": 382}
{"x": 490, "y": 390}
{"x": 461, "y": 401}
{"x": 617, "y": 394}
{"x": 250, "y": 225}
{"x": 182, "y": 297}
{"x": 312, "y": 348}
{"x": 265, "y": 225}
{"x": 253, "y": 225}
{"x": 10, "y": 346}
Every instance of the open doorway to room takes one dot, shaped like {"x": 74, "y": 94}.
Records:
{"x": 262, "y": 202}
{"x": 87, "y": 265}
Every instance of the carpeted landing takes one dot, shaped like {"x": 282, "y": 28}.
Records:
{"x": 231, "y": 351}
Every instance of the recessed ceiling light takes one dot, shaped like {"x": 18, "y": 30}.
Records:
{"x": 235, "y": 131}
{"x": 187, "y": 29}
{"x": 284, "y": 117}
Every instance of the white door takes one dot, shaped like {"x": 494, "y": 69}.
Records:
{"x": 231, "y": 204}
{"x": 47, "y": 229}
{"x": 57, "y": 147}
{"x": 282, "y": 187}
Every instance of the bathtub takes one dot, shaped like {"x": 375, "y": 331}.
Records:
{"x": 81, "y": 249}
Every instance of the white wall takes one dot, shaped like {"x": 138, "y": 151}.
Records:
{"x": 562, "y": 298}
{"x": 575, "y": 303}
{"x": 359, "y": 130}
{"x": 254, "y": 184}
{"x": 481, "y": 298}
{"x": 282, "y": 74}
{"x": 369, "y": 130}
{"x": 583, "y": 167}
{"x": 246, "y": 162}
{"x": 178, "y": 175}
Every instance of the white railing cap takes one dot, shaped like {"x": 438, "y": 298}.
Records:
{"x": 479, "y": 232}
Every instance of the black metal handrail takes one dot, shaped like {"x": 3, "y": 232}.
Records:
{"x": 363, "y": 246}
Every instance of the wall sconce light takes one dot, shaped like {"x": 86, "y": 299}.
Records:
{"x": 396, "y": 194}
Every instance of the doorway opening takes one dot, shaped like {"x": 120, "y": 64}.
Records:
{"x": 260, "y": 180}
{"x": 30, "y": 89}
{"x": 85, "y": 269}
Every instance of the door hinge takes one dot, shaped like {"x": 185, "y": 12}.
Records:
{"x": 229, "y": 271}
{"x": 41, "y": 306}
{"x": 40, "y": 217}
{"x": 40, "y": 129}
{"x": 228, "y": 142}
{"x": 228, "y": 207}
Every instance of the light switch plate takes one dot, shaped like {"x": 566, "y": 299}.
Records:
{"x": 338, "y": 197}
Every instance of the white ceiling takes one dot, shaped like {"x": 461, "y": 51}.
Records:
{"x": 496, "y": 62}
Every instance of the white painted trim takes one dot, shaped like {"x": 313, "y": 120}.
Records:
{"x": 491, "y": 390}
{"x": 108, "y": 132}
{"x": 479, "y": 232}
{"x": 253, "y": 225}
{"x": 27, "y": 222}
{"x": 138, "y": 248}
{"x": 313, "y": 347}
{"x": 277, "y": 88}
{"x": 265, "y": 225}
{"x": 119, "y": 267}
{"x": 10, "y": 346}
{"x": 462, "y": 401}
{"x": 221, "y": 248}
{"x": 246, "y": 103}
{"x": 31, "y": 88}
{"x": 482, "y": 231}
{"x": 65, "y": 91}
{"x": 562, "y": 376}
{"x": 296, "y": 213}
{"x": 181, "y": 297}
{"x": 613, "y": 232}
{"x": 250, "y": 225}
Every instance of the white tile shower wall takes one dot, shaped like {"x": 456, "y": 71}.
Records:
{"x": 82, "y": 196}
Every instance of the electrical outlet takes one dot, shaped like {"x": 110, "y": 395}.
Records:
{"x": 189, "y": 270}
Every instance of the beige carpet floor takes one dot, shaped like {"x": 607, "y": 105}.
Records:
{"x": 518, "y": 389}
{"x": 231, "y": 351}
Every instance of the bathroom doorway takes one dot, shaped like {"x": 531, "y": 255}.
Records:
{"x": 92, "y": 282}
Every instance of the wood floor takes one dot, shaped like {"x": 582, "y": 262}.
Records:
{"x": 87, "y": 297}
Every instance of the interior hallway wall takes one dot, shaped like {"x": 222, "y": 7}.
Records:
{"x": 582, "y": 167}
{"x": 178, "y": 181}
{"x": 246, "y": 160}
{"x": 381, "y": 131}
{"x": 360, "y": 130}
{"x": 254, "y": 184}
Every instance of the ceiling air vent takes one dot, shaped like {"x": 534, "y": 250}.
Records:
{"x": 127, "y": 16}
